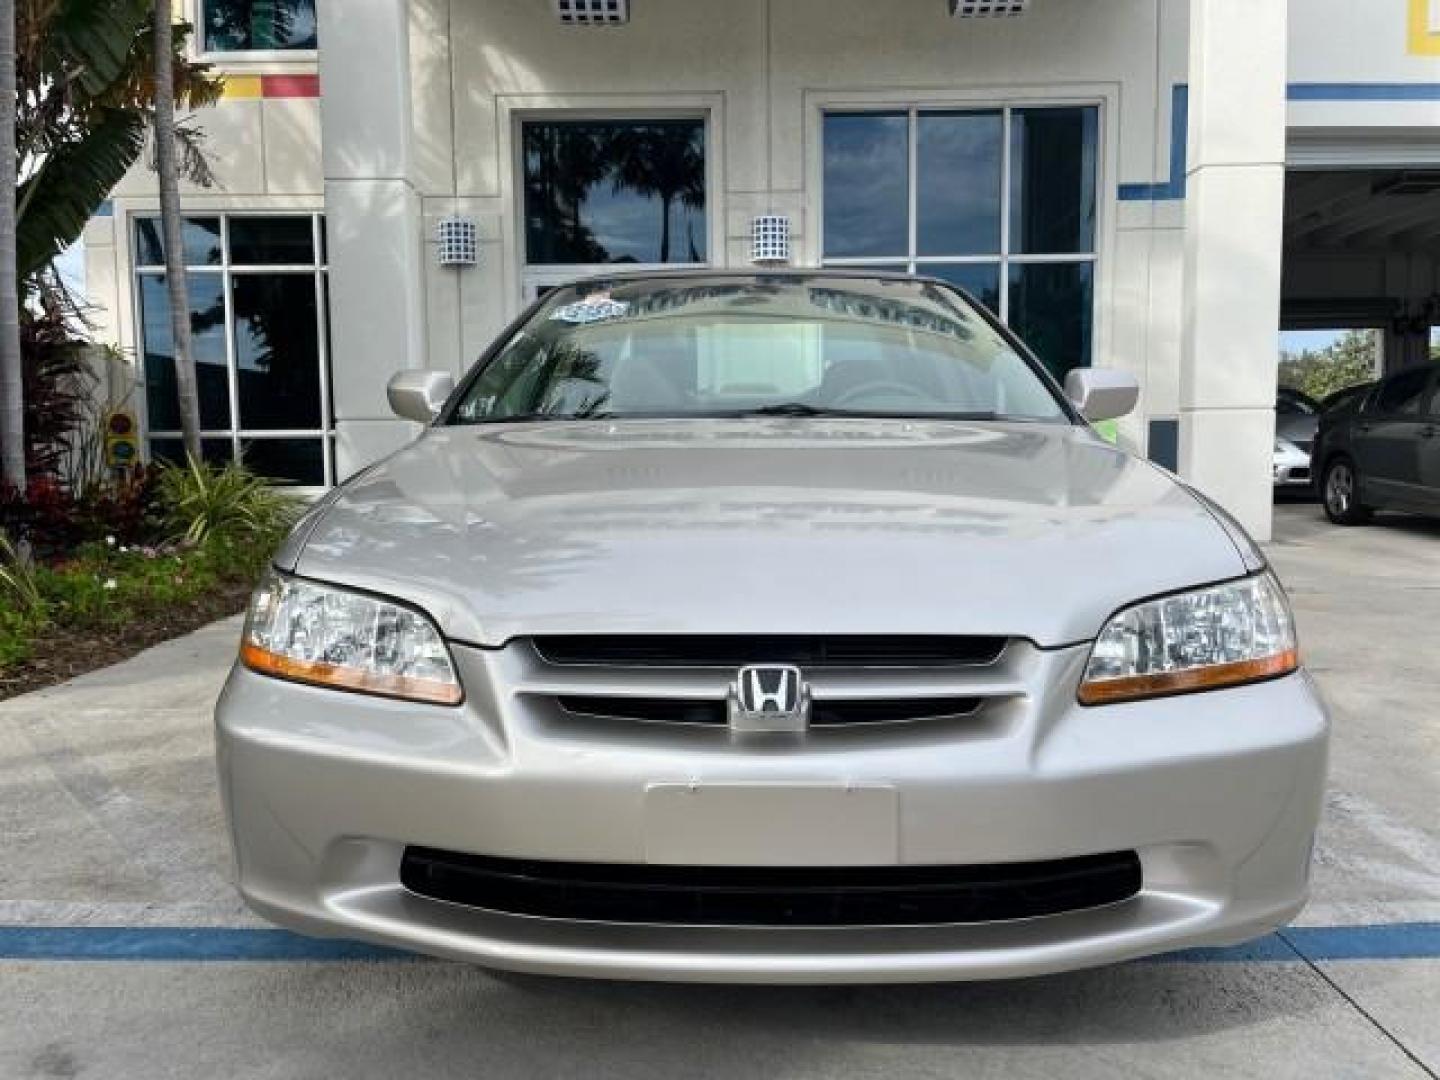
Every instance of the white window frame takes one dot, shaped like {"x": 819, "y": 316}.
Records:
{"x": 525, "y": 281}
{"x": 227, "y": 271}
{"x": 1103, "y": 96}
{"x": 1002, "y": 259}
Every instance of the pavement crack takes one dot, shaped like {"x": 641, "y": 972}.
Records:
{"x": 1349, "y": 1000}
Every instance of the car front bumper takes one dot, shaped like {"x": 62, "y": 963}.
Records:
{"x": 1217, "y": 792}
{"x": 1291, "y": 468}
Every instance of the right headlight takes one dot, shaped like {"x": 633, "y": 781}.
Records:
{"x": 1221, "y": 635}
{"x": 326, "y": 635}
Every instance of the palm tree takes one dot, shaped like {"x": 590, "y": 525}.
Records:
{"x": 85, "y": 75}
{"x": 169, "y": 176}
{"x": 12, "y": 405}
{"x": 76, "y": 116}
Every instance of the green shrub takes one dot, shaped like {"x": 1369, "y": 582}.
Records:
{"x": 18, "y": 586}
{"x": 203, "y": 501}
{"x": 223, "y": 523}
{"x": 17, "y": 629}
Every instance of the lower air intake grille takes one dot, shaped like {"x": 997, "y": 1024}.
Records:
{"x": 737, "y": 650}
{"x": 770, "y": 896}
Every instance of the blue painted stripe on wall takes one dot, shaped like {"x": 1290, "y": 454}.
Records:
{"x": 1363, "y": 92}
{"x": 1389, "y": 941}
{"x": 1174, "y": 188}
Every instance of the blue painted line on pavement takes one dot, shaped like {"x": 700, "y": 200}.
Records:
{"x": 1384, "y": 941}
{"x": 1376, "y": 941}
{"x": 177, "y": 943}
{"x": 1265, "y": 950}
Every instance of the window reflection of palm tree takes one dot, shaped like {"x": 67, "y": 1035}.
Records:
{"x": 563, "y": 162}
{"x": 276, "y": 334}
{"x": 258, "y": 24}
{"x": 650, "y": 160}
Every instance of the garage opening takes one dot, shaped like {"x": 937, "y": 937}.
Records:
{"x": 1360, "y": 295}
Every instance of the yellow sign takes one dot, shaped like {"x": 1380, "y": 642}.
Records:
{"x": 1424, "y": 28}
{"x": 122, "y": 439}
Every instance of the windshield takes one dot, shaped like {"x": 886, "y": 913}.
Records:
{"x": 741, "y": 346}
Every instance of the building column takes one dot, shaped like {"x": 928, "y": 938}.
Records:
{"x": 373, "y": 221}
{"x": 1234, "y": 223}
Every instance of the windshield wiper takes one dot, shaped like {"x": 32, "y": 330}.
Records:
{"x": 536, "y": 418}
{"x": 790, "y": 408}
{"x": 783, "y": 408}
{"x": 800, "y": 408}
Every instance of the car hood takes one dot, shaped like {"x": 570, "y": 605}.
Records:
{"x": 1296, "y": 428}
{"x": 770, "y": 525}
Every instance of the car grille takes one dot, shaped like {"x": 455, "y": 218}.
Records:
{"x": 829, "y": 713}
{"x": 736, "y": 650}
{"x": 772, "y": 896}
{"x": 856, "y": 682}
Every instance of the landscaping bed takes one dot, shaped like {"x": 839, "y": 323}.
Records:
{"x": 40, "y": 652}
{"x": 188, "y": 555}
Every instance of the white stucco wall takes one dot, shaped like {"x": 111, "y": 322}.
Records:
{"x": 1355, "y": 48}
{"x": 423, "y": 97}
{"x": 762, "y": 70}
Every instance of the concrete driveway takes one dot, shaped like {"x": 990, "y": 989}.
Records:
{"x": 123, "y": 952}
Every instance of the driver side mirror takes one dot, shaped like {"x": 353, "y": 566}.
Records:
{"x": 1102, "y": 393}
{"x": 419, "y": 395}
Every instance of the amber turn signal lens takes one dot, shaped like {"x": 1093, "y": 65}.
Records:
{"x": 1136, "y": 687}
{"x": 346, "y": 678}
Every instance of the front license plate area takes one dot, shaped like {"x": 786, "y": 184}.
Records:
{"x": 772, "y": 824}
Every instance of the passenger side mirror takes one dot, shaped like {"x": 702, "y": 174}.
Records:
{"x": 419, "y": 395}
{"x": 1101, "y": 393}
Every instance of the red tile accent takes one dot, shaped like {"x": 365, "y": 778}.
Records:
{"x": 290, "y": 86}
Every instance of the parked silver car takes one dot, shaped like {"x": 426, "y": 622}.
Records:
{"x": 778, "y": 627}
{"x": 1297, "y": 416}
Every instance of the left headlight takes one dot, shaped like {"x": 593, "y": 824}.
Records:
{"x": 1221, "y": 635}
{"x": 328, "y": 636}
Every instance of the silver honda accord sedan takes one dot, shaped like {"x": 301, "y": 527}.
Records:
{"x": 770, "y": 627}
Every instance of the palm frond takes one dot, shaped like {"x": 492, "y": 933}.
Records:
{"x": 96, "y": 38}
{"x": 192, "y": 161}
{"x": 54, "y": 205}
{"x": 18, "y": 583}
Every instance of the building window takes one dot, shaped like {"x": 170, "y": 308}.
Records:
{"x": 258, "y": 25}
{"x": 258, "y": 296}
{"x": 614, "y": 191}
{"x": 1001, "y": 202}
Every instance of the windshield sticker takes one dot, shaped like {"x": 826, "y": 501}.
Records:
{"x": 597, "y": 307}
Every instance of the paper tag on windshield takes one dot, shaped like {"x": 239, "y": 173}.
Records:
{"x": 597, "y": 307}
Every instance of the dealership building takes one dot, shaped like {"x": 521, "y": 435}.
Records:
{"x": 1152, "y": 185}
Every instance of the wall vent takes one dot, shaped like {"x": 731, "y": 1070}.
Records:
{"x": 593, "y": 12}
{"x": 770, "y": 239}
{"x": 988, "y": 9}
{"x": 457, "y": 241}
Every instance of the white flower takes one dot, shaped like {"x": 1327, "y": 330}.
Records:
{"x": 110, "y": 583}
{"x": 110, "y": 540}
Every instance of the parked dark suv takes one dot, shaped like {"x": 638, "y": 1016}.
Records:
{"x": 1385, "y": 454}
